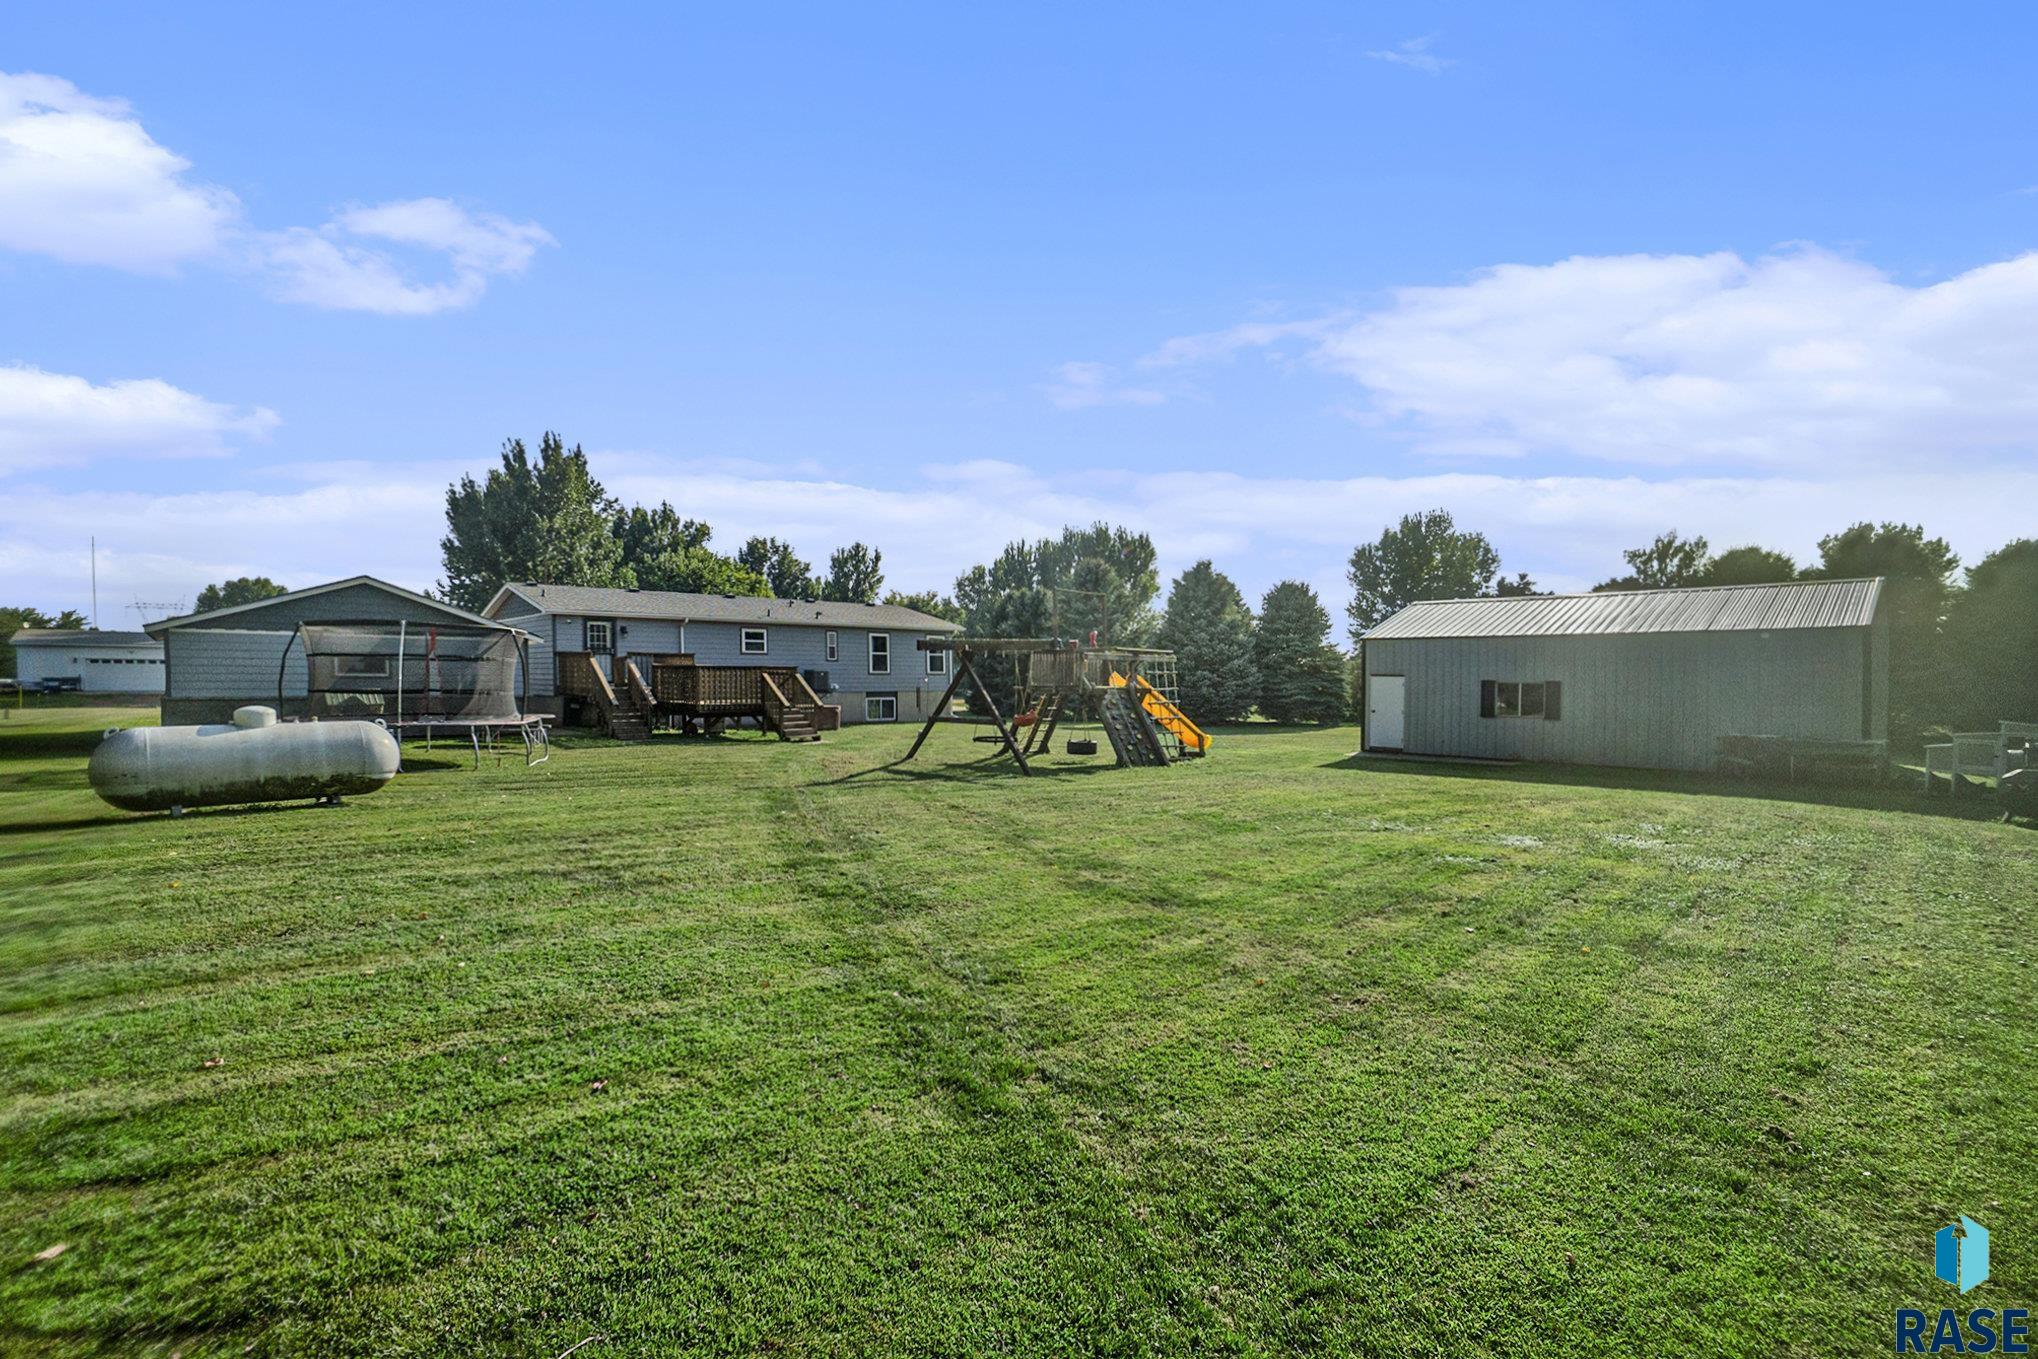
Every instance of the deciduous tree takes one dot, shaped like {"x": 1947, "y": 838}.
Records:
{"x": 1425, "y": 556}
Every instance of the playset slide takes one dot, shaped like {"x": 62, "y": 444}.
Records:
{"x": 1192, "y": 737}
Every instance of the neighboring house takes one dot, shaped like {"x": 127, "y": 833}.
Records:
{"x": 864, "y": 658}
{"x": 217, "y": 661}
{"x": 88, "y": 660}
{"x": 1646, "y": 678}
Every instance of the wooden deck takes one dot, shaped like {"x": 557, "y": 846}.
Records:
{"x": 697, "y": 699}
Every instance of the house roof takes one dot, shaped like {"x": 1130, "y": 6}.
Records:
{"x": 602, "y": 602}
{"x": 1788, "y": 605}
{"x": 75, "y": 636}
{"x": 159, "y": 627}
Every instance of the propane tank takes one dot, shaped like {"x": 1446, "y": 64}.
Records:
{"x": 254, "y": 758}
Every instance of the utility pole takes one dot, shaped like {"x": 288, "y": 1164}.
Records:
{"x": 94, "y": 541}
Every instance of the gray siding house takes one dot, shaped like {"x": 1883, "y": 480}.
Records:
{"x": 94, "y": 662}
{"x": 863, "y": 658}
{"x": 1646, "y": 678}
{"x": 217, "y": 661}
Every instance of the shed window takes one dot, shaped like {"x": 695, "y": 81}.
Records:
{"x": 880, "y": 653}
{"x": 1541, "y": 699}
{"x": 880, "y": 707}
{"x": 834, "y": 651}
{"x": 753, "y": 641}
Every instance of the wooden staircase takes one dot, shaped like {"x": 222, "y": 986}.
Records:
{"x": 792, "y": 709}
{"x": 629, "y": 715}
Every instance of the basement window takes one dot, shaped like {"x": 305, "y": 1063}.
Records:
{"x": 1540, "y": 699}
{"x": 362, "y": 667}
{"x": 880, "y": 707}
{"x": 753, "y": 641}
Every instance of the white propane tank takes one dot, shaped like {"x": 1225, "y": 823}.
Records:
{"x": 252, "y": 759}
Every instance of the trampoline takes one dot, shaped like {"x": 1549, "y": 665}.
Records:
{"x": 431, "y": 680}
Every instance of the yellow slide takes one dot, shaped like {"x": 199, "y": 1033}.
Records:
{"x": 1192, "y": 737}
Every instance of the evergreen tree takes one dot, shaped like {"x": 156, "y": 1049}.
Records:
{"x": 788, "y": 576}
{"x": 239, "y": 590}
{"x": 1210, "y": 630}
{"x": 1424, "y": 557}
{"x": 855, "y": 575}
{"x": 1302, "y": 677}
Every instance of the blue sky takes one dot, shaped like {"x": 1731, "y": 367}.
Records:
{"x": 1255, "y": 280}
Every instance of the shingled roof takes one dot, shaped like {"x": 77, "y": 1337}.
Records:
{"x": 601, "y": 602}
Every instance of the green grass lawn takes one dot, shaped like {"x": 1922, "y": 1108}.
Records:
{"x": 737, "y": 1046}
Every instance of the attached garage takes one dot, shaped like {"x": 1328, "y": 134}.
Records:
{"x": 1645, "y": 678}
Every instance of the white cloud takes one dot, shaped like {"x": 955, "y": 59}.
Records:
{"x": 1414, "y": 54}
{"x": 1215, "y": 345}
{"x": 1795, "y": 360}
{"x": 83, "y": 182}
{"x": 1083, "y": 386}
{"x": 49, "y": 419}
{"x": 328, "y": 267}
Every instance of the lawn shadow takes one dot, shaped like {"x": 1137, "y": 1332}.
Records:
{"x": 1977, "y": 805}
{"x": 997, "y": 765}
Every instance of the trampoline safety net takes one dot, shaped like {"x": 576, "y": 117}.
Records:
{"x": 415, "y": 672}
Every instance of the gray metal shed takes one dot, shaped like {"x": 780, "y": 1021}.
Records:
{"x": 1644, "y": 678}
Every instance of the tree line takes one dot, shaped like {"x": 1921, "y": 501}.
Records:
{"x": 548, "y": 519}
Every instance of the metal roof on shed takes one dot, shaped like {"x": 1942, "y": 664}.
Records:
{"x": 1713, "y": 608}
{"x": 606, "y": 602}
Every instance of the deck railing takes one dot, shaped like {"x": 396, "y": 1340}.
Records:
{"x": 717, "y": 686}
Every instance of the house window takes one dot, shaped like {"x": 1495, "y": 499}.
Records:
{"x": 753, "y": 641}
{"x": 601, "y": 637}
{"x": 834, "y": 651}
{"x": 362, "y": 667}
{"x": 880, "y": 707}
{"x": 937, "y": 662}
{"x": 1541, "y": 699}
{"x": 880, "y": 654}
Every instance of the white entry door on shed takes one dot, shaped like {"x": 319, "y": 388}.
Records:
{"x": 1386, "y": 700}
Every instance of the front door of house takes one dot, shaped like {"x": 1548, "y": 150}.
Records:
{"x": 601, "y": 645}
{"x": 1386, "y": 698}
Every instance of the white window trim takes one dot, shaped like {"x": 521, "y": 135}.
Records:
{"x": 937, "y": 656}
{"x": 587, "y": 635}
{"x": 874, "y": 668}
{"x": 870, "y": 701}
{"x": 763, "y": 647}
{"x": 357, "y": 670}
{"x": 834, "y": 646}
